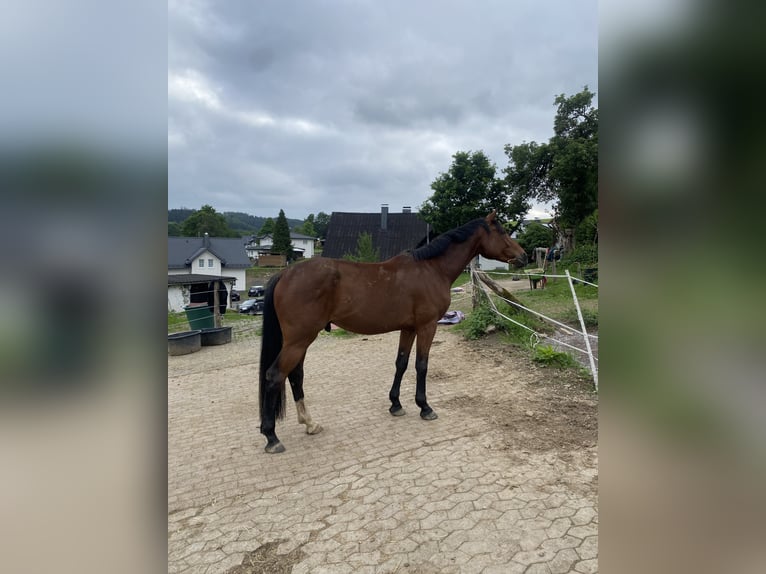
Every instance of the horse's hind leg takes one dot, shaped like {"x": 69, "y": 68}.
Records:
{"x": 288, "y": 359}
{"x": 406, "y": 338}
{"x": 296, "y": 384}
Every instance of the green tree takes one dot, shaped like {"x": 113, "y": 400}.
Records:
{"x": 307, "y": 227}
{"x": 206, "y": 220}
{"x": 267, "y": 228}
{"x": 466, "y": 191}
{"x": 564, "y": 170}
{"x": 536, "y": 235}
{"x": 587, "y": 230}
{"x": 281, "y": 242}
{"x": 321, "y": 221}
{"x": 174, "y": 230}
{"x": 364, "y": 250}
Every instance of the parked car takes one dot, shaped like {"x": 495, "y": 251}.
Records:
{"x": 252, "y": 306}
{"x": 256, "y": 291}
{"x": 234, "y": 296}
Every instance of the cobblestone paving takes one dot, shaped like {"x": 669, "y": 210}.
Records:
{"x": 371, "y": 493}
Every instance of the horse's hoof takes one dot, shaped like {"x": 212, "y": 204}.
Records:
{"x": 400, "y": 412}
{"x": 275, "y": 448}
{"x": 429, "y": 416}
{"x": 314, "y": 429}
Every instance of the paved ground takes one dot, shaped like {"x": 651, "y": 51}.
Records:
{"x": 504, "y": 481}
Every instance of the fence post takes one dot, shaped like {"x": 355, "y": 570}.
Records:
{"x": 585, "y": 333}
{"x": 474, "y": 287}
{"x": 216, "y": 308}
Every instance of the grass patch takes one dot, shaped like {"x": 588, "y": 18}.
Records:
{"x": 590, "y": 316}
{"x": 177, "y": 322}
{"x": 340, "y": 333}
{"x": 257, "y": 276}
{"x": 547, "y": 356}
{"x": 484, "y": 319}
{"x": 462, "y": 279}
{"x": 555, "y": 301}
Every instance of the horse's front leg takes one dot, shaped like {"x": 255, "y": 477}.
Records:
{"x": 425, "y": 338}
{"x": 406, "y": 338}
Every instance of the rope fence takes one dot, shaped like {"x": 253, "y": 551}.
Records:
{"x": 535, "y": 336}
{"x": 242, "y": 323}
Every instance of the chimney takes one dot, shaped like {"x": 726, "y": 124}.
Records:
{"x": 206, "y": 240}
{"x": 384, "y": 216}
{"x": 406, "y": 209}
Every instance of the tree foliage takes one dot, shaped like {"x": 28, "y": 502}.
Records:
{"x": 365, "y": 252}
{"x": 321, "y": 221}
{"x": 307, "y": 227}
{"x": 536, "y": 235}
{"x": 587, "y": 230}
{"x": 267, "y": 228}
{"x": 281, "y": 242}
{"x": 564, "y": 170}
{"x": 206, "y": 220}
{"x": 469, "y": 189}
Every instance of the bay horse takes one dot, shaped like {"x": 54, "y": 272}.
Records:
{"x": 409, "y": 293}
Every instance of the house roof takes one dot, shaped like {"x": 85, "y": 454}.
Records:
{"x": 193, "y": 278}
{"x": 183, "y": 250}
{"x": 403, "y": 231}
{"x": 293, "y": 235}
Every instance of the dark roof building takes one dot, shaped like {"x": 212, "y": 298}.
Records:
{"x": 392, "y": 233}
{"x": 183, "y": 250}
{"x": 196, "y": 278}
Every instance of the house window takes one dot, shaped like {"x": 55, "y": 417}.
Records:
{"x": 201, "y": 262}
{"x": 209, "y": 262}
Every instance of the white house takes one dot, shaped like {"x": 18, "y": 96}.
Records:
{"x": 302, "y": 244}
{"x": 207, "y": 256}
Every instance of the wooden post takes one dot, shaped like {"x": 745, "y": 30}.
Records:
{"x": 497, "y": 288}
{"x": 216, "y": 306}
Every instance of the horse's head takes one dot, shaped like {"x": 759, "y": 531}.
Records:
{"x": 497, "y": 244}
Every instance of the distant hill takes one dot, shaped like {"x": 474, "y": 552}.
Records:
{"x": 239, "y": 222}
{"x": 179, "y": 215}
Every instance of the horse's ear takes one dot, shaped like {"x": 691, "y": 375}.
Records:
{"x": 492, "y": 216}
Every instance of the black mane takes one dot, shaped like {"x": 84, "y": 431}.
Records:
{"x": 458, "y": 235}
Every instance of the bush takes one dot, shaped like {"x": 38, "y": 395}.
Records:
{"x": 587, "y": 230}
{"x": 547, "y": 356}
{"x": 585, "y": 254}
{"x": 479, "y": 321}
{"x": 588, "y": 315}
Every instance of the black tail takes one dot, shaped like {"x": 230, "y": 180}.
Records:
{"x": 271, "y": 345}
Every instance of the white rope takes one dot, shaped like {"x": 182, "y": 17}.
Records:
{"x": 538, "y": 335}
{"x": 562, "y": 325}
{"x": 526, "y": 275}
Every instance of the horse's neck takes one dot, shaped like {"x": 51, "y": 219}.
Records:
{"x": 457, "y": 256}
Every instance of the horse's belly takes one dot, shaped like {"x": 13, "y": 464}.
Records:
{"x": 374, "y": 321}
{"x": 370, "y": 324}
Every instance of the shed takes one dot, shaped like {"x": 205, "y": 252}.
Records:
{"x": 194, "y": 288}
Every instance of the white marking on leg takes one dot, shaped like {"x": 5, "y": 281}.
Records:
{"x": 305, "y": 418}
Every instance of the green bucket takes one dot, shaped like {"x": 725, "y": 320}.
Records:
{"x": 199, "y": 317}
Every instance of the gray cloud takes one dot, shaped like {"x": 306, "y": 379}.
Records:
{"x": 344, "y": 105}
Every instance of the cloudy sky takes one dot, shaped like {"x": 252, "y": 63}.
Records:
{"x": 341, "y": 105}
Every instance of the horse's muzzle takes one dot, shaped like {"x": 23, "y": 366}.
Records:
{"x": 519, "y": 260}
